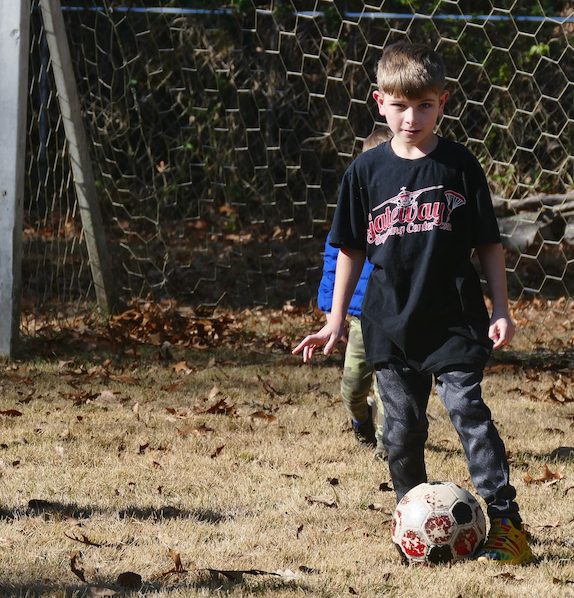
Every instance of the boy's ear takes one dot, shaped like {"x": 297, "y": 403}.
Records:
{"x": 442, "y": 101}
{"x": 379, "y": 97}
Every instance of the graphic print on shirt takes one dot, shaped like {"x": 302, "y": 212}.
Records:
{"x": 409, "y": 215}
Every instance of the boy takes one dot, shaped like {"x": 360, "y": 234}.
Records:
{"x": 357, "y": 374}
{"x": 416, "y": 206}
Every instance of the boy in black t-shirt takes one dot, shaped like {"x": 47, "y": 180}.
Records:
{"x": 417, "y": 206}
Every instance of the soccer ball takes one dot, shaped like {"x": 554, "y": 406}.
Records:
{"x": 439, "y": 522}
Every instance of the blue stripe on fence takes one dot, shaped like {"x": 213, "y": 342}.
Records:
{"x": 315, "y": 14}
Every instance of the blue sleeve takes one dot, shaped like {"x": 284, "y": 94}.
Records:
{"x": 357, "y": 298}
{"x": 327, "y": 284}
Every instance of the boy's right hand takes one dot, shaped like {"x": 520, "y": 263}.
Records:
{"x": 345, "y": 337}
{"x": 329, "y": 336}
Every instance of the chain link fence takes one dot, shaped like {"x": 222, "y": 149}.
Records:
{"x": 220, "y": 132}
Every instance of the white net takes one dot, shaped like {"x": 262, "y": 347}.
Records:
{"x": 220, "y": 132}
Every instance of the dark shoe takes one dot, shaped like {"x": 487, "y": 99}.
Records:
{"x": 365, "y": 432}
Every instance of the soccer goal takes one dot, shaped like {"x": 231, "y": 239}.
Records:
{"x": 217, "y": 134}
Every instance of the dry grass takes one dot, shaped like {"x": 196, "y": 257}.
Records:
{"x": 117, "y": 452}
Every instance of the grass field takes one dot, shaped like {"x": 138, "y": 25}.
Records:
{"x": 234, "y": 472}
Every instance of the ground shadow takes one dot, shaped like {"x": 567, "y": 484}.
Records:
{"x": 211, "y": 580}
{"x": 45, "y": 508}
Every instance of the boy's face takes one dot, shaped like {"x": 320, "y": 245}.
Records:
{"x": 412, "y": 121}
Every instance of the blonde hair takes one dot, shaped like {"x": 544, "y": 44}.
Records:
{"x": 410, "y": 70}
{"x": 377, "y": 137}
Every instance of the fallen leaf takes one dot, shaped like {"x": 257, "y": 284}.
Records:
{"x": 509, "y": 575}
{"x": 173, "y": 412}
{"x": 62, "y": 364}
{"x": 84, "y": 540}
{"x": 220, "y": 408}
{"x": 548, "y": 478}
{"x": 268, "y": 387}
{"x": 77, "y": 566}
{"x": 324, "y": 500}
{"x": 265, "y": 416}
{"x": 11, "y": 413}
{"x": 202, "y": 430}
{"x": 550, "y": 525}
{"x": 217, "y": 451}
{"x": 213, "y": 393}
{"x": 177, "y": 560}
{"x": 173, "y": 386}
{"x": 181, "y": 367}
{"x": 122, "y": 378}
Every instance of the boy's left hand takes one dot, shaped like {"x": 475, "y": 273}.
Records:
{"x": 501, "y": 330}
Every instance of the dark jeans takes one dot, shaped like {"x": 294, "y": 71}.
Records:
{"x": 405, "y": 394}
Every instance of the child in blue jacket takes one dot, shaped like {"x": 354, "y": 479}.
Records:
{"x": 357, "y": 375}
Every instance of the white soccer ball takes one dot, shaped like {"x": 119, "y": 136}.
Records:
{"x": 438, "y": 522}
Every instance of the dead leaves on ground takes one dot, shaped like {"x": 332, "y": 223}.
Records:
{"x": 133, "y": 580}
{"x": 178, "y": 567}
{"x": 556, "y": 395}
{"x": 221, "y": 407}
{"x": 324, "y": 499}
{"x": 77, "y": 566}
{"x": 83, "y": 539}
{"x": 127, "y": 579}
{"x": 549, "y": 478}
{"x": 11, "y": 413}
{"x": 262, "y": 415}
{"x": 162, "y": 326}
{"x": 233, "y": 575}
{"x": 201, "y": 430}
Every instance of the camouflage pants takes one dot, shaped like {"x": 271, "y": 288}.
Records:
{"x": 357, "y": 381}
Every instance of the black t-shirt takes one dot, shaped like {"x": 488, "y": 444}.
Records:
{"x": 418, "y": 221}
